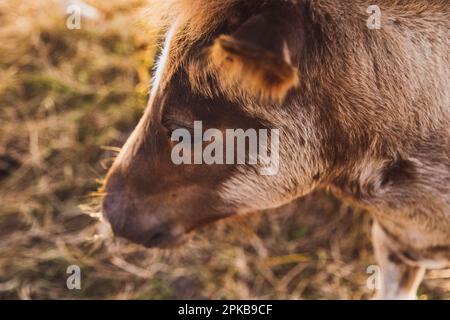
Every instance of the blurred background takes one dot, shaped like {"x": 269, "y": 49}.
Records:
{"x": 68, "y": 100}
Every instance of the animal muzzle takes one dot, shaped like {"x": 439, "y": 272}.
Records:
{"x": 130, "y": 223}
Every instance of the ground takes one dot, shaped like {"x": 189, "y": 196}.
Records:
{"x": 68, "y": 99}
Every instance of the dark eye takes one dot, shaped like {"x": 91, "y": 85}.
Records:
{"x": 171, "y": 125}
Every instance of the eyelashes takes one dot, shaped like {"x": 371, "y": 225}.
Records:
{"x": 192, "y": 139}
{"x": 171, "y": 125}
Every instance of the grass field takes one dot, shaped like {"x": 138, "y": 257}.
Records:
{"x": 68, "y": 99}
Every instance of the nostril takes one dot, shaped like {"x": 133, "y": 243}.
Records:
{"x": 157, "y": 238}
{"x": 110, "y": 205}
{"x": 107, "y": 203}
{"x": 112, "y": 202}
{"x": 114, "y": 213}
{"x": 115, "y": 208}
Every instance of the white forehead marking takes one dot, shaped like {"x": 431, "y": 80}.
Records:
{"x": 160, "y": 65}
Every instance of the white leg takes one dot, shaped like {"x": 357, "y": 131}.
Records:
{"x": 399, "y": 280}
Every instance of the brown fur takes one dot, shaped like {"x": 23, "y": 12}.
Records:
{"x": 363, "y": 112}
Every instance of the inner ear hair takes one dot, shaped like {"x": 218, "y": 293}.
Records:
{"x": 256, "y": 57}
{"x": 258, "y": 71}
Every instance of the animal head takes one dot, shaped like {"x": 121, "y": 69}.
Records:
{"x": 250, "y": 65}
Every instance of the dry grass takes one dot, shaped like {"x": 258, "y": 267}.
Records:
{"x": 65, "y": 94}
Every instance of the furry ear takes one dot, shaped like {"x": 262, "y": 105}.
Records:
{"x": 257, "y": 57}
